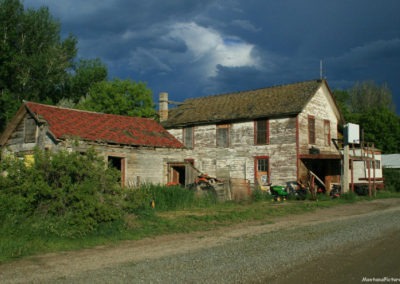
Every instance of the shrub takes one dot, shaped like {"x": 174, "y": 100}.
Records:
{"x": 77, "y": 192}
{"x": 137, "y": 200}
{"x": 392, "y": 179}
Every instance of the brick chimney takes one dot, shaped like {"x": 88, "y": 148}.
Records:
{"x": 163, "y": 106}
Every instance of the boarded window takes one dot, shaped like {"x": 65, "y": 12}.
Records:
{"x": 30, "y": 130}
{"x": 262, "y": 132}
{"x": 311, "y": 130}
{"x": 188, "y": 137}
{"x": 223, "y": 135}
{"x": 327, "y": 132}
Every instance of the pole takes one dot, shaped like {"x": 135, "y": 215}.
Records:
{"x": 345, "y": 179}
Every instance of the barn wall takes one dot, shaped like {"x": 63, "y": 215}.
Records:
{"x": 28, "y": 135}
{"x": 321, "y": 107}
{"x": 237, "y": 160}
{"x": 141, "y": 164}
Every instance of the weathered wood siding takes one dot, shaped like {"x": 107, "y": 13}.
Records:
{"x": 141, "y": 164}
{"x": 321, "y": 107}
{"x": 238, "y": 160}
{"x": 25, "y": 137}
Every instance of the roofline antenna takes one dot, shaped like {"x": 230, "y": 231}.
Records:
{"x": 320, "y": 70}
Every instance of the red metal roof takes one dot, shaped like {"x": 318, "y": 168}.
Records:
{"x": 92, "y": 126}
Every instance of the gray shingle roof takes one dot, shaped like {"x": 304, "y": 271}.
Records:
{"x": 278, "y": 101}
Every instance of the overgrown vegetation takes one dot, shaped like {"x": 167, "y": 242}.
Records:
{"x": 392, "y": 179}
{"x": 72, "y": 197}
{"x": 67, "y": 201}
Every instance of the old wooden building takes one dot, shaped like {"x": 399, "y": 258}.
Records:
{"x": 271, "y": 135}
{"x": 140, "y": 148}
{"x": 266, "y": 136}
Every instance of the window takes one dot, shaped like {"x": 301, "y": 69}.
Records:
{"x": 311, "y": 129}
{"x": 223, "y": 135}
{"x": 373, "y": 164}
{"x": 30, "y": 130}
{"x": 327, "y": 132}
{"x": 261, "y": 171}
{"x": 261, "y": 132}
{"x": 188, "y": 137}
{"x": 262, "y": 165}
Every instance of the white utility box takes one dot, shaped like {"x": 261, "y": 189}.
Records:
{"x": 352, "y": 133}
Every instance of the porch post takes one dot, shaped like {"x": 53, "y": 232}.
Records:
{"x": 345, "y": 175}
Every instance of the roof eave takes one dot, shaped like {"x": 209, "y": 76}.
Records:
{"x": 110, "y": 142}
{"x": 232, "y": 120}
{"x": 12, "y": 125}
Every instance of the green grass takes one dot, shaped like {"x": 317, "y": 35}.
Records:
{"x": 23, "y": 237}
{"x": 68, "y": 201}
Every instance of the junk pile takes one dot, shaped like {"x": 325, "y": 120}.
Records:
{"x": 204, "y": 184}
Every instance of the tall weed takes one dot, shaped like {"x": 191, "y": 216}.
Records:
{"x": 165, "y": 198}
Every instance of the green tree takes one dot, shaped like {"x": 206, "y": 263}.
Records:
{"x": 342, "y": 99}
{"x": 381, "y": 126}
{"x": 123, "y": 97}
{"x": 34, "y": 60}
{"x": 371, "y": 106}
{"x": 86, "y": 73}
{"x": 366, "y": 95}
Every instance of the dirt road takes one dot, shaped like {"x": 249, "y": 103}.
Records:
{"x": 314, "y": 247}
{"x": 375, "y": 261}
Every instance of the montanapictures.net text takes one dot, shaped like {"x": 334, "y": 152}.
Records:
{"x": 383, "y": 279}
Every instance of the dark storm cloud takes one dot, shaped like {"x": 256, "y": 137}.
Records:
{"x": 192, "y": 48}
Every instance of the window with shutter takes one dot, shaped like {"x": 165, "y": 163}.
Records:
{"x": 30, "y": 130}
{"x": 223, "y": 135}
{"x": 261, "y": 132}
{"x": 311, "y": 129}
{"x": 188, "y": 137}
{"x": 327, "y": 132}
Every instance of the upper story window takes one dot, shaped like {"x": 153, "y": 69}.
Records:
{"x": 30, "y": 130}
{"x": 188, "y": 137}
{"x": 311, "y": 129}
{"x": 223, "y": 135}
{"x": 327, "y": 132}
{"x": 261, "y": 134}
{"x": 373, "y": 164}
